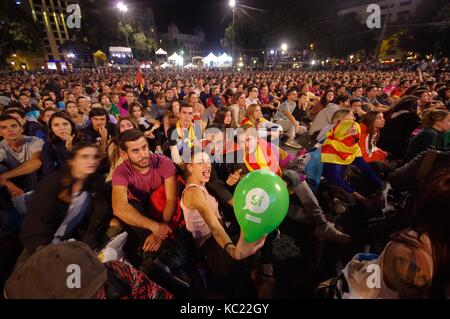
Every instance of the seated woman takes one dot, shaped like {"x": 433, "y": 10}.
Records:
{"x": 415, "y": 263}
{"x": 338, "y": 117}
{"x": 204, "y": 222}
{"x": 339, "y": 150}
{"x": 224, "y": 117}
{"x": 371, "y": 124}
{"x": 56, "y": 150}
{"x": 145, "y": 123}
{"x": 401, "y": 121}
{"x": 436, "y": 123}
{"x": 254, "y": 118}
{"x": 63, "y": 205}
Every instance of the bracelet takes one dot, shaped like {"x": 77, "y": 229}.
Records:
{"x": 226, "y": 245}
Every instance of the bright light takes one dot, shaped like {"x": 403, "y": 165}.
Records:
{"x": 272, "y": 51}
{"x": 313, "y": 62}
{"x": 13, "y": 63}
{"x": 14, "y": 55}
{"x": 232, "y": 3}
{"x": 42, "y": 67}
{"x": 122, "y": 7}
{"x": 328, "y": 61}
{"x": 351, "y": 57}
{"x": 240, "y": 64}
{"x": 284, "y": 47}
{"x": 240, "y": 59}
{"x": 70, "y": 55}
{"x": 23, "y": 66}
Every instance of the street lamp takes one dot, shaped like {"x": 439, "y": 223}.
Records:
{"x": 232, "y": 4}
{"x": 284, "y": 47}
{"x": 123, "y": 9}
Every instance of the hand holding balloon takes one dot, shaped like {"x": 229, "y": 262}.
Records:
{"x": 243, "y": 249}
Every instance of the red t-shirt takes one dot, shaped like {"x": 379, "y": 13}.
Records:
{"x": 140, "y": 186}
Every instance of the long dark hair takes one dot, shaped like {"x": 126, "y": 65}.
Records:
{"x": 323, "y": 99}
{"x": 408, "y": 103}
{"x": 221, "y": 114}
{"x": 431, "y": 217}
{"x": 67, "y": 181}
{"x": 53, "y": 139}
{"x": 369, "y": 121}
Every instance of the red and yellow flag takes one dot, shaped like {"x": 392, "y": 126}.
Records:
{"x": 140, "y": 80}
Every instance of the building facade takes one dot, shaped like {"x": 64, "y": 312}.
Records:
{"x": 194, "y": 44}
{"x": 398, "y": 10}
{"x": 50, "y": 16}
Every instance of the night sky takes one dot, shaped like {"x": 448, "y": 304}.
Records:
{"x": 212, "y": 15}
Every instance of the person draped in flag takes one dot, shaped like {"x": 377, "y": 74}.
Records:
{"x": 341, "y": 149}
{"x": 252, "y": 153}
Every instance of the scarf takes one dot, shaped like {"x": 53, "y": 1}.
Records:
{"x": 340, "y": 148}
{"x": 191, "y": 134}
{"x": 264, "y": 157}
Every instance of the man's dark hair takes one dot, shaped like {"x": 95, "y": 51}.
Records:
{"x": 47, "y": 100}
{"x": 342, "y": 98}
{"x": 185, "y": 105}
{"x": 6, "y": 117}
{"x": 80, "y": 97}
{"x": 129, "y": 136}
{"x": 97, "y": 111}
{"x": 354, "y": 101}
{"x": 370, "y": 87}
{"x": 160, "y": 96}
{"x": 290, "y": 91}
{"x": 353, "y": 90}
{"x": 15, "y": 111}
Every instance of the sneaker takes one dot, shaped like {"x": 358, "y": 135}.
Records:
{"x": 328, "y": 232}
{"x": 293, "y": 144}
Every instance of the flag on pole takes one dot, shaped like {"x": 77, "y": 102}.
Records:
{"x": 140, "y": 80}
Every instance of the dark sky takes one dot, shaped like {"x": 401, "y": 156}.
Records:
{"x": 212, "y": 15}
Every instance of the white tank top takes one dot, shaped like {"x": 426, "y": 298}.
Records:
{"x": 194, "y": 220}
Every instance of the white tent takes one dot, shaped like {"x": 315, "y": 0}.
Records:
{"x": 190, "y": 66}
{"x": 224, "y": 60}
{"x": 210, "y": 60}
{"x": 120, "y": 52}
{"x": 161, "y": 52}
{"x": 176, "y": 59}
{"x": 165, "y": 65}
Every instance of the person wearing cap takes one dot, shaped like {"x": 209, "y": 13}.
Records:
{"x": 71, "y": 270}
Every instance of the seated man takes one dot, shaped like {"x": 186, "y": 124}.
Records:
{"x": 30, "y": 124}
{"x": 20, "y": 156}
{"x": 323, "y": 118}
{"x": 183, "y": 135}
{"x": 100, "y": 131}
{"x": 284, "y": 117}
{"x": 133, "y": 182}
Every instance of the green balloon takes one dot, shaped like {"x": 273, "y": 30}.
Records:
{"x": 261, "y": 202}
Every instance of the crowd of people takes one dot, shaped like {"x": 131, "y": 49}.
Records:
{"x": 91, "y": 155}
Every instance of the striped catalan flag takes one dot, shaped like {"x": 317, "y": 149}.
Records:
{"x": 340, "y": 147}
{"x": 140, "y": 80}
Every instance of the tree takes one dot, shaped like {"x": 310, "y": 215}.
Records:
{"x": 18, "y": 31}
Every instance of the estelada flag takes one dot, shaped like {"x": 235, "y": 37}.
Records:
{"x": 140, "y": 80}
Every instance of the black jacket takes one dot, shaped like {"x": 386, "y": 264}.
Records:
{"x": 47, "y": 212}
